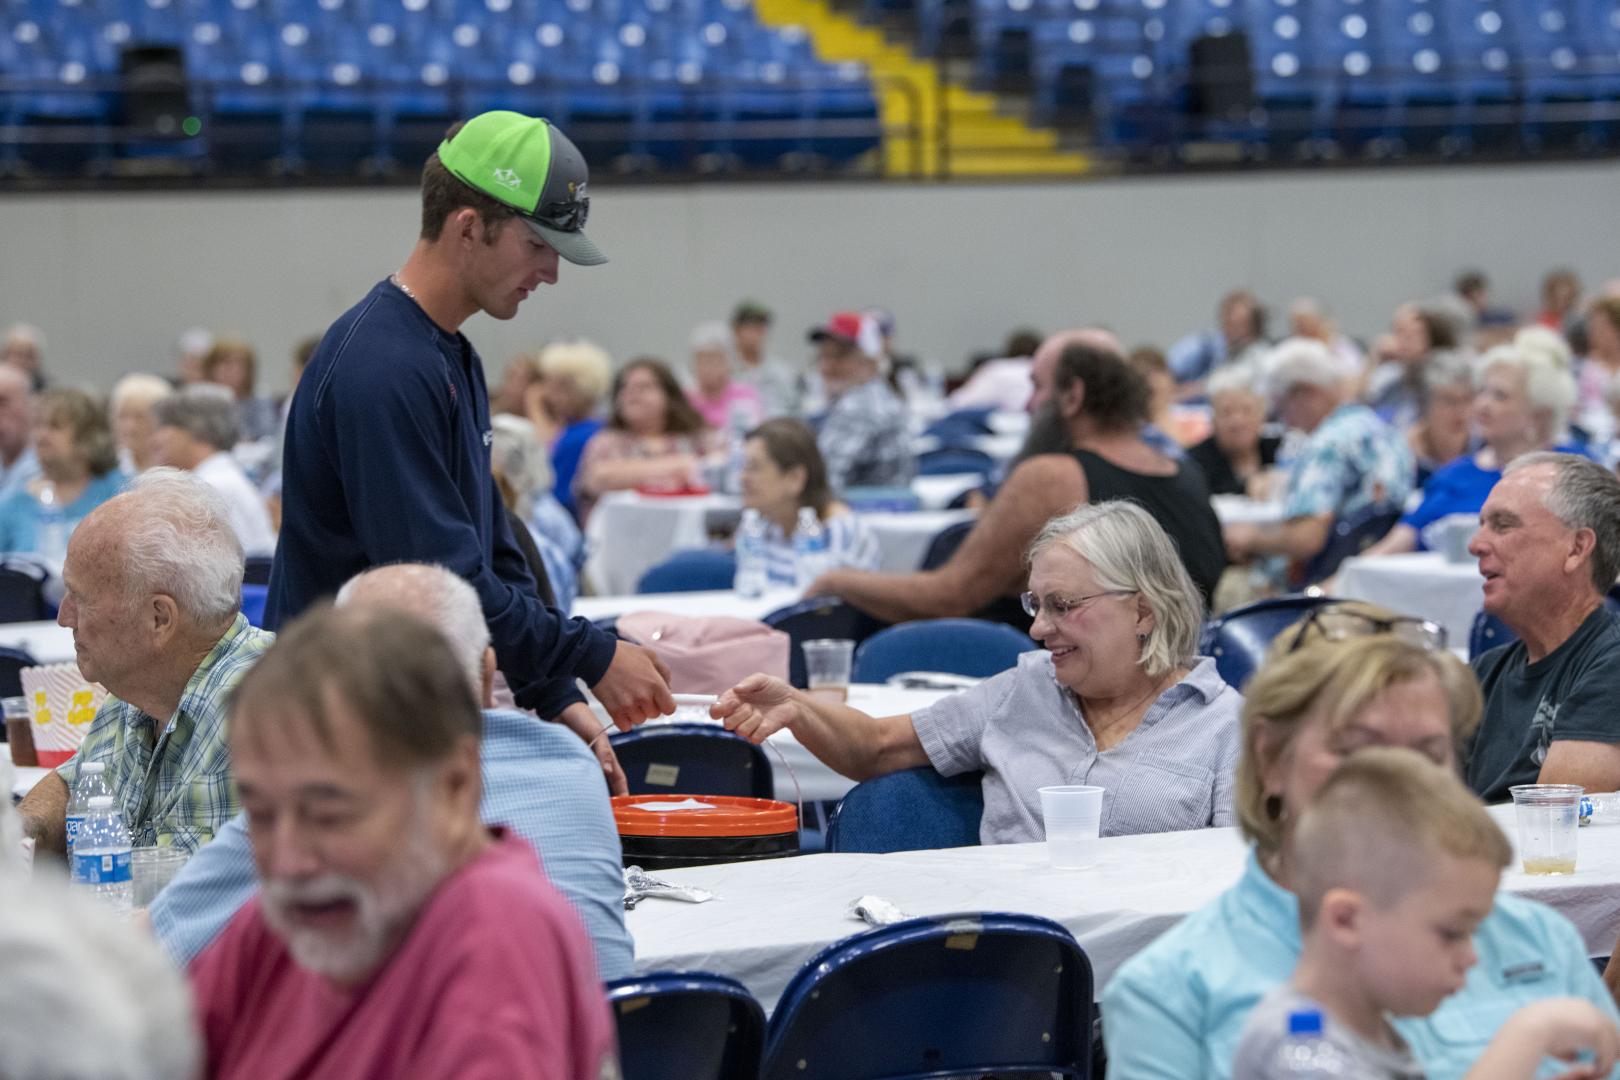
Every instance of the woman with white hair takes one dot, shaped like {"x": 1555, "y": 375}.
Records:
{"x": 1523, "y": 399}
{"x": 725, "y": 403}
{"x": 574, "y": 379}
{"x": 1116, "y": 696}
{"x": 133, "y": 425}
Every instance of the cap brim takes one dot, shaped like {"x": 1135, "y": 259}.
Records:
{"x": 821, "y": 333}
{"x": 576, "y": 247}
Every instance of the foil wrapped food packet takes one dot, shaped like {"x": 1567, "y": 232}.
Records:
{"x": 875, "y": 911}
{"x": 639, "y": 885}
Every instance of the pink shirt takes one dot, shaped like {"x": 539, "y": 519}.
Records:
{"x": 495, "y": 980}
{"x": 716, "y": 411}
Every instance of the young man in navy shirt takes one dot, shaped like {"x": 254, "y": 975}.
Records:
{"x": 387, "y": 455}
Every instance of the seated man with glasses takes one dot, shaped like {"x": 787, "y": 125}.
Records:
{"x": 1548, "y": 547}
{"x": 1115, "y": 698}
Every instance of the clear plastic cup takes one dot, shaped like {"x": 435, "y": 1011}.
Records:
{"x": 1549, "y": 823}
{"x": 827, "y": 664}
{"x": 151, "y": 868}
{"x": 1072, "y": 815}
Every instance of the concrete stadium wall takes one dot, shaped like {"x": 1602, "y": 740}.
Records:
{"x": 112, "y": 278}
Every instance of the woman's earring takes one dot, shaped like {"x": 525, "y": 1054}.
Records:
{"x": 1274, "y": 807}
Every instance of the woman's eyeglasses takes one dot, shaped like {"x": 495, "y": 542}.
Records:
{"x": 1058, "y": 606}
{"x": 1336, "y": 622}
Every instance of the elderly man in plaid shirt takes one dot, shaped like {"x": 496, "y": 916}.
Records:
{"x": 863, "y": 436}
{"x": 154, "y": 591}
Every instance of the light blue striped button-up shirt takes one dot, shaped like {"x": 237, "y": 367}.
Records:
{"x": 540, "y": 780}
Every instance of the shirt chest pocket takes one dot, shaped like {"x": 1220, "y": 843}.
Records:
{"x": 1161, "y": 794}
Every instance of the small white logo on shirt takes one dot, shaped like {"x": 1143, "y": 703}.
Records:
{"x": 507, "y": 178}
{"x": 489, "y": 438}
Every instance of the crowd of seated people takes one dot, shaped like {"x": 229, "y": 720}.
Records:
{"x": 1099, "y": 538}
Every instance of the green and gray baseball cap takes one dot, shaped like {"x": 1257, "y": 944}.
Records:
{"x": 531, "y": 166}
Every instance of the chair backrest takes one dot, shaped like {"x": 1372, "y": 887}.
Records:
{"x": 818, "y": 617}
{"x": 693, "y": 759}
{"x": 945, "y": 543}
{"x": 256, "y": 570}
{"x": 910, "y": 810}
{"x": 687, "y": 1025}
{"x": 970, "y": 647}
{"x": 1351, "y": 535}
{"x": 1487, "y": 633}
{"x": 961, "y": 425}
{"x": 971, "y": 994}
{"x": 1238, "y": 640}
{"x": 254, "y": 599}
{"x": 12, "y": 661}
{"x": 22, "y": 595}
{"x": 954, "y": 459}
{"x": 690, "y": 571}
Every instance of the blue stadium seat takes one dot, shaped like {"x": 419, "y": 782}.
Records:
{"x": 910, "y": 810}
{"x": 690, "y": 571}
{"x": 1238, "y": 640}
{"x": 686, "y": 1025}
{"x": 971, "y": 647}
{"x": 818, "y": 617}
{"x": 692, "y": 759}
{"x": 965, "y": 994}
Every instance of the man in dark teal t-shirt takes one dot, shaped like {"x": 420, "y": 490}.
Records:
{"x": 1549, "y": 550}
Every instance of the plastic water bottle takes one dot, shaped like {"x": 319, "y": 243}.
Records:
{"x": 1306, "y": 1052}
{"x": 752, "y": 572}
{"x": 92, "y": 784}
{"x": 51, "y": 532}
{"x": 101, "y": 858}
{"x": 809, "y": 547}
{"x": 737, "y": 427}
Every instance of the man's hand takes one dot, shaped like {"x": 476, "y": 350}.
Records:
{"x": 635, "y": 687}
{"x": 1240, "y": 537}
{"x": 579, "y": 719}
{"x": 757, "y": 708}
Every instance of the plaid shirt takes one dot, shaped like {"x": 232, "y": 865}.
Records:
{"x": 864, "y": 439}
{"x": 178, "y": 791}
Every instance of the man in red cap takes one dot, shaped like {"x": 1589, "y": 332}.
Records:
{"x": 863, "y": 435}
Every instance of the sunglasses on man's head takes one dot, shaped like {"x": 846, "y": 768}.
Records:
{"x": 566, "y": 215}
{"x": 1335, "y": 622}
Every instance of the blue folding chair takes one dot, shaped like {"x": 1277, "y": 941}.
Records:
{"x": 945, "y": 543}
{"x": 1239, "y": 639}
{"x": 693, "y": 759}
{"x": 954, "y": 459}
{"x": 953, "y": 429}
{"x": 12, "y": 661}
{"x": 1351, "y": 535}
{"x": 951, "y": 995}
{"x": 22, "y": 592}
{"x": 971, "y": 647}
{"x": 818, "y": 617}
{"x": 686, "y": 1025}
{"x": 910, "y": 810}
{"x": 254, "y": 599}
{"x": 1487, "y": 633}
{"x": 690, "y": 571}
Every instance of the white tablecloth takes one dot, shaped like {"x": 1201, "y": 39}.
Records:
{"x": 44, "y": 641}
{"x": 725, "y": 602}
{"x": 936, "y": 492}
{"x": 773, "y": 916}
{"x": 1235, "y": 509}
{"x": 23, "y": 779}
{"x": 1420, "y": 583}
{"x": 629, "y": 533}
{"x": 790, "y": 760}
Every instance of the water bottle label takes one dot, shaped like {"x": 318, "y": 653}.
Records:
{"x": 102, "y": 868}
{"x": 73, "y": 823}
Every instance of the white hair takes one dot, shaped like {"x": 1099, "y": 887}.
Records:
{"x": 712, "y": 337}
{"x": 176, "y": 538}
{"x": 1300, "y": 362}
{"x": 515, "y": 449}
{"x": 25, "y": 334}
{"x": 138, "y": 389}
{"x": 1548, "y": 344}
{"x": 439, "y": 597}
{"x": 194, "y": 342}
{"x": 1130, "y": 551}
{"x": 1548, "y": 385}
{"x": 587, "y": 366}
{"x": 86, "y": 995}
{"x": 1230, "y": 378}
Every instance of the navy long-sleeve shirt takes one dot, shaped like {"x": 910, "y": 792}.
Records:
{"x": 387, "y": 459}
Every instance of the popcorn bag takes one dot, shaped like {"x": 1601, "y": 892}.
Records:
{"x": 62, "y": 704}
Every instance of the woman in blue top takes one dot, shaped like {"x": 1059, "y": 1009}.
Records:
{"x": 1176, "y": 1010}
{"x": 1524, "y": 399}
{"x": 78, "y": 472}
{"x": 782, "y": 474}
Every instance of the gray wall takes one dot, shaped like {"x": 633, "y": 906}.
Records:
{"x": 112, "y": 278}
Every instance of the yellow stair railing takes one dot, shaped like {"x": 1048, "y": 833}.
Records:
{"x": 932, "y": 127}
